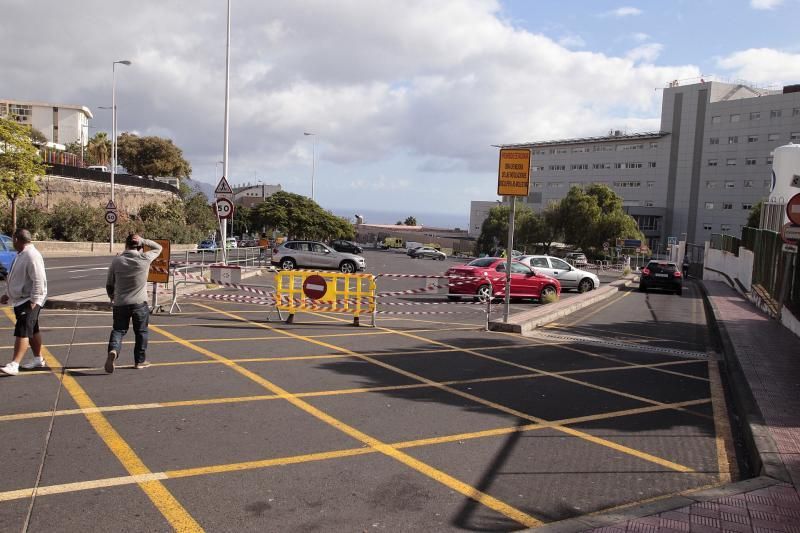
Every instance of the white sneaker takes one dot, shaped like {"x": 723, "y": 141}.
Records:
{"x": 33, "y": 364}
{"x": 12, "y": 369}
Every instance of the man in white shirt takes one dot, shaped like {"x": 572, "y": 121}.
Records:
{"x": 27, "y": 291}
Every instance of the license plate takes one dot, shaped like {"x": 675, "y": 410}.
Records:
{"x": 662, "y": 275}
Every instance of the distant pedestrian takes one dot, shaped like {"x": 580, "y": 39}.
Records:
{"x": 27, "y": 291}
{"x": 127, "y": 287}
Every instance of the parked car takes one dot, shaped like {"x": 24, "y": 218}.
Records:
{"x": 7, "y": 255}
{"x": 569, "y": 276}
{"x": 661, "y": 275}
{"x": 312, "y": 254}
{"x": 101, "y": 168}
{"x": 231, "y": 242}
{"x": 207, "y": 244}
{"x": 578, "y": 259}
{"x": 346, "y": 246}
{"x": 427, "y": 251}
{"x": 485, "y": 278}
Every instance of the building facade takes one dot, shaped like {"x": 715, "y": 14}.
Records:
{"x": 478, "y": 212}
{"x": 250, "y": 195}
{"x": 60, "y": 123}
{"x": 701, "y": 173}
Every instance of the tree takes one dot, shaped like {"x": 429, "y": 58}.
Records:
{"x": 494, "y": 231}
{"x": 98, "y": 149}
{"x": 300, "y": 217}
{"x": 151, "y": 156}
{"x": 754, "y": 218}
{"x": 20, "y": 164}
{"x": 410, "y": 221}
{"x": 37, "y": 137}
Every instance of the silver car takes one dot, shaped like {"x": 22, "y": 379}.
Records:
{"x": 427, "y": 251}
{"x": 569, "y": 276}
{"x": 313, "y": 254}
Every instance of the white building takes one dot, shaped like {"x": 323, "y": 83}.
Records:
{"x": 249, "y": 195}
{"x": 60, "y": 123}
{"x": 478, "y": 212}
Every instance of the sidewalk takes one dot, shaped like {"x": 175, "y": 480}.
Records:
{"x": 763, "y": 371}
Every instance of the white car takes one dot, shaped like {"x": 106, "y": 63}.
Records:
{"x": 569, "y": 276}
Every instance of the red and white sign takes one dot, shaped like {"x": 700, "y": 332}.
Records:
{"x": 225, "y": 208}
{"x": 223, "y": 189}
{"x": 793, "y": 209}
{"x": 315, "y": 287}
{"x": 790, "y": 233}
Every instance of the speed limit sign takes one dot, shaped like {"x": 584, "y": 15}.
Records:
{"x": 224, "y": 208}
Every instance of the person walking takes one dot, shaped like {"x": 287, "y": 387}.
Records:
{"x": 26, "y": 290}
{"x": 127, "y": 288}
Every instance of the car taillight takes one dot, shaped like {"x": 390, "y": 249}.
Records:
{"x": 646, "y": 271}
{"x": 677, "y": 274}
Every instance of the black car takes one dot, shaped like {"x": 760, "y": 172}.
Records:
{"x": 346, "y": 246}
{"x": 661, "y": 275}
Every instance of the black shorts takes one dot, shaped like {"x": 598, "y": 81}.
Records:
{"x": 27, "y": 320}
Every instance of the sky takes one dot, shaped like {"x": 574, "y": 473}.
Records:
{"x": 405, "y": 98}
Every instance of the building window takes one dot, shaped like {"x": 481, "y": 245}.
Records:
{"x": 651, "y": 184}
{"x": 709, "y": 205}
{"x": 537, "y": 168}
{"x": 711, "y": 185}
{"x": 794, "y": 136}
{"x": 775, "y": 113}
{"x": 649, "y": 203}
{"x": 655, "y": 145}
{"x": 730, "y": 184}
{"x": 747, "y": 207}
{"x": 736, "y": 117}
{"x": 540, "y": 152}
{"x": 648, "y": 222}
{"x": 20, "y": 112}
{"x": 561, "y": 151}
{"x": 537, "y": 184}
{"x": 706, "y": 226}
{"x": 554, "y": 184}
{"x": 581, "y": 166}
{"x": 750, "y": 161}
{"x": 724, "y": 227}
{"x": 752, "y": 138}
{"x": 755, "y": 115}
{"x": 557, "y": 167}
{"x": 748, "y": 184}
{"x": 716, "y": 119}
{"x": 773, "y": 136}
{"x": 730, "y": 162}
{"x": 733, "y": 139}
{"x": 713, "y": 140}
{"x": 651, "y": 164}
{"x": 712, "y": 162}
{"x": 575, "y": 184}
{"x": 727, "y": 205}
{"x": 628, "y": 184}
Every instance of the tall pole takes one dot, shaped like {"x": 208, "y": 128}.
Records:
{"x": 224, "y": 230}
{"x": 114, "y": 138}
{"x": 313, "y": 158}
{"x": 509, "y": 249}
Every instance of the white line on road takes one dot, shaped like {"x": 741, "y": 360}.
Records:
{"x": 76, "y": 266}
{"x": 87, "y": 269}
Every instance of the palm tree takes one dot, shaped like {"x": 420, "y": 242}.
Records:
{"x": 99, "y": 149}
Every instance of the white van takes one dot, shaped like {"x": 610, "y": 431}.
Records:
{"x": 101, "y": 168}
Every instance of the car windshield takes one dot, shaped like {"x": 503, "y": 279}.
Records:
{"x": 482, "y": 262}
{"x": 659, "y": 267}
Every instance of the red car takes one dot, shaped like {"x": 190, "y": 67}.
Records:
{"x": 486, "y": 277}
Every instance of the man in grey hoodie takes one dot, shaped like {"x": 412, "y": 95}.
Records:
{"x": 127, "y": 287}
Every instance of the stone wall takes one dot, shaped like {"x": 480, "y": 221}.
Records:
{"x": 57, "y": 189}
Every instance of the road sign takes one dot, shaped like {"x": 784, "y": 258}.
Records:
{"x": 793, "y": 209}
{"x": 790, "y": 248}
{"x": 225, "y": 208}
{"x": 159, "y": 268}
{"x": 514, "y": 172}
{"x": 111, "y": 217}
{"x": 672, "y": 240}
{"x": 605, "y": 245}
{"x": 223, "y": 189}
{"x": 315, "y": 287}
{"x": 795, "y": 181}
{"x": 790, "y": 233}
{"x": 111, "y": 206}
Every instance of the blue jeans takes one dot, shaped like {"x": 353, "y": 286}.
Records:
{"x": 140, "y": 313}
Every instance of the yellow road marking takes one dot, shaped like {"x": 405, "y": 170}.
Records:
{"x": 251, "y": 465}
{"x": 433, "y": 473}
{"x": 636, "y": 453}
{"x": 722, "y": 429}
{"x": 164, "y": 501}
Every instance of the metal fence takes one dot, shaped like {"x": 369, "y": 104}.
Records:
{"x": 695, "y": 253}
{"x": 55, "y": 169}
{"x": 727, "y": 243}
{"x": 773, "y": 269}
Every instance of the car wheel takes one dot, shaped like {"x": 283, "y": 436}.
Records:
{"x": 441, "y": 258}
{"x": 348, "y": 267}
{"x": 585, "y": 285}
{"x": 547, "y": 292}
{"x": 484, "y": 293}
{"x": 288, "y": 264}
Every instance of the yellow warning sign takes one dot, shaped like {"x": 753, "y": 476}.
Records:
{"x": 514, "y": 173}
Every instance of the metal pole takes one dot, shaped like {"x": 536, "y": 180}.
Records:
{"x": 224, "y": 229}
{"x": 509, "y": 248}
{"x": 313, "y": 164}
{"x": 113, "y": 144}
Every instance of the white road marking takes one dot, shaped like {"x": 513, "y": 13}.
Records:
{"x": 87, "y": 269}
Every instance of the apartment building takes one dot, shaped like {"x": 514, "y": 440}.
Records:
{"x": 60, "y": 123}
{"x": 700, "y": 173}
{"x": 250, "y": 195}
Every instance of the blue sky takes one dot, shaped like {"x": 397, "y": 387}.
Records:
{"x": 406, "y": 97}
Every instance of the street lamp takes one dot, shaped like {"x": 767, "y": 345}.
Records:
{"x": 114, "y": 136}
{"x": 216, "y": 167}
{"x": 313, "y": 159}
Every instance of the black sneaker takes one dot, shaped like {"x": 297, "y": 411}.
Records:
{"x": 112, "y": 356}
{"x": 143, "y": 364}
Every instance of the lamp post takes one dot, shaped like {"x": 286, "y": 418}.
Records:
{"x": 313, "y": 158}
{"x": 216, "y": 168}
{"x": 114, "y": 136}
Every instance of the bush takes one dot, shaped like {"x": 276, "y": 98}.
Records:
{"x": 29, "y": 217}
{"x": 71, "y": 221}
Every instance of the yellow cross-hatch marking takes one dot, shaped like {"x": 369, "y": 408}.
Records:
{"x": 162, "y": 498}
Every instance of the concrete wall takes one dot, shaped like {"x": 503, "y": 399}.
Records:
{"x": 740, "y": 267}
{"x": 72, "y": 249}
{"x": 57, "y": 189}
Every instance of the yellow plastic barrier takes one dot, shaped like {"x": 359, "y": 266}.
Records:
{"x": 325, "y": 292}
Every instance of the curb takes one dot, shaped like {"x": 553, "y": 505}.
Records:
{"x": 74, "y": 305}
{"x": 529, "y": 320}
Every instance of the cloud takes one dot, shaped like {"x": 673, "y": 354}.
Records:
{"x": 625, "y": 12}
{"x": 572, "y": 41}
{"x": 765, "y": 4}
{"x": 645, "y": 53}
{"x": 763, "y": 65}
{"x": 640, "y": 37}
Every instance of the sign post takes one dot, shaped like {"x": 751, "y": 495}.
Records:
{"x": 223, "y": 192}
{"x": 513, "y": 179}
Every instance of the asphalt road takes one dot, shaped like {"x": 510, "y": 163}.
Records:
{"x": 423, "y": 423}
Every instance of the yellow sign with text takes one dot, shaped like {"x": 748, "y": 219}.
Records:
{"x": 514, "y": 173}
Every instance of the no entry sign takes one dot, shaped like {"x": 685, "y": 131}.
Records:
{"x": 315, "y": 287}
{"x": 793, "y": 209}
